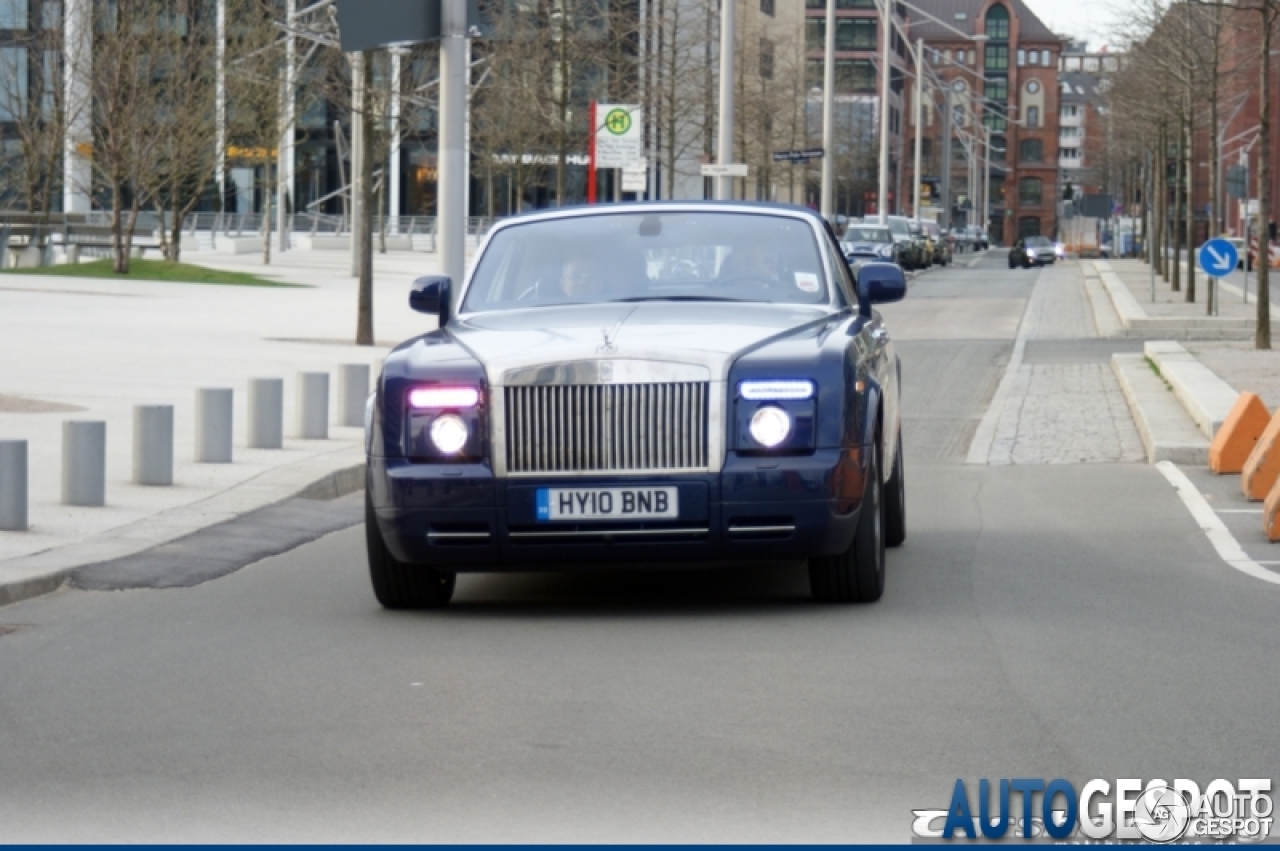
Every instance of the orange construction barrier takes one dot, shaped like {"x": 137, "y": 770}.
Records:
{"x": 1262, "y": 467}
{"x": 1238, "y": 435}
{"x": 1271, "y": 514}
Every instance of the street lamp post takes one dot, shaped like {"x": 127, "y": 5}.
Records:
{"x": 886, "y": 24}
{"x": 724, "y": 148}
{"x": 828, "y": 114}
{"x": 919, "y": 118}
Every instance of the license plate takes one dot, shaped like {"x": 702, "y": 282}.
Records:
{"x": 569, "y": 504}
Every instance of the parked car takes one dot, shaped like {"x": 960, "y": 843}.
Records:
{"x": 978, "y": 237}
{"x": 1246, "y": 257}
{"x": 1032, "y": 251}
{"x": 869, "y": 243}
{"x": 941, "y": 254}
{"x": 659, "y": 383}
{"x": 910, "y": 247}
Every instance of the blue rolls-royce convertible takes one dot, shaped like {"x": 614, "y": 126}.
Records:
{"x": 651, "y": 383}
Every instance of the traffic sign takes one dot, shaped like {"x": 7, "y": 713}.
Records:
{"x": 725, "y": 170}
{"x": 1218, "y": 258}
{"x": 619, "y": 136}
{"x": 798, "y": 156}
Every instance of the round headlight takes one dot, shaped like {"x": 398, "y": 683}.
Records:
{"x": 449, "y": 433}
{"x": 770, "y": 426}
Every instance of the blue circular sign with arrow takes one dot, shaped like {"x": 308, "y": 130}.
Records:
{"x": 1218, "y": 258}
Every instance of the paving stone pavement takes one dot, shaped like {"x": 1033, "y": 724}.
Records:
{"x": 1064, "y": 413}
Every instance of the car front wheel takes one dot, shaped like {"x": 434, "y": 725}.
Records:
{"x": 857, "y": 574}
{"x": 895, "y": 501}
{"x": 398, "y": 585}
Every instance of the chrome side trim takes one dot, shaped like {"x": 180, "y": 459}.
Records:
{"x": 473, "y": 536}
{"x": 747, "y": 530}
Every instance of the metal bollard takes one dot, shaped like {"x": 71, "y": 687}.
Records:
{"x": 213, "y": 425}
{"x": 13, "y": 486}
{"x": 266, "y": 413}
{"x": 353, "y": 392}
{"x": 313, "y": 405}
{"x": 84, "y": 462}
{"x": 153, "y": 445}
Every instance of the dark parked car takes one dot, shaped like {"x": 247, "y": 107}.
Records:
{"x": 1032, "y": 251}
{"x": 978, "y": 237}
{"x": 869, "y": 243}
{"x": 939, "y": 245}
{"x": 659, "y": 383}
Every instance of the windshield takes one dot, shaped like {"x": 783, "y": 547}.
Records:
{"x": 867, "y": 235}
{"x": 1037, "y": 241}
{"x": 899, "y": 228}
{"x": 683, "y": 256}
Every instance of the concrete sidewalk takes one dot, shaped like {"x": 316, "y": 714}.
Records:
{"x": 79, "y": 348}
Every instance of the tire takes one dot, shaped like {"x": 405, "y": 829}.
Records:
{"x": 857, "y": 574}
{"x": 398, "y": 585}
{"x": 895, "y": 501}
{"x": 1012, "y": 265}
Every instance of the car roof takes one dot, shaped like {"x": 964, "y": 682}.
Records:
{"x": 576, "y": 210}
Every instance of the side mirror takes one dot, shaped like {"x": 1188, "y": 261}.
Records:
{"x": 432, "y": 294}
{"x": 879, "y": 283}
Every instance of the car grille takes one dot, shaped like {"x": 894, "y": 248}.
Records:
{"x": 607, "y": 427}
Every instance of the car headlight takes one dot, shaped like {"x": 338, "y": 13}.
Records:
{"x": 776, "y": 390}
{"x": 444, "y": 397}
{"x": 886, "y": 251}
{"x": 1031, "y": 252}
{"x": 449, "y": 433}
{"x": 770, "y": 426}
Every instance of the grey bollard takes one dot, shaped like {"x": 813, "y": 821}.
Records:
{"x": 84, "y": 462}
{"x": 313, "y": 405}
{"x": 153, "y": 445}
{"x": 353, "y": 392}
{"x": 266, "y": 413}
{"x": 213, "y": 425}
{"x": 13, "y": 486}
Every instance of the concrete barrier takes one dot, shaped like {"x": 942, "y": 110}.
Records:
{"x": 14, "y": 490}
{"x": 1271, "y": 514}
{"x": 213, "y": 425}
{"x": 1262, "y": 468}
{"x": 1207, "y": 398}
{"x": 353, "y": 392}
{"x": 84, "y": 463}
{"x": 266, "y": 413}
{"x": 153, "y": 445}
{"x": 1239, "y": 433}
{"x": 313, "y": 405}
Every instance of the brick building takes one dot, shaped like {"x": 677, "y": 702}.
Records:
{"x": 1003, "y": 73}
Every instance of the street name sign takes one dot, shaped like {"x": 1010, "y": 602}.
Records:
{"x": 1218, "y": 258}
{"x": 798, "y": 156}
{"x": 725, "y": 170}
{"x": 619, "y": 135}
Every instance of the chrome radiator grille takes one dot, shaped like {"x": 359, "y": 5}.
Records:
{"x": 606, "y": 427}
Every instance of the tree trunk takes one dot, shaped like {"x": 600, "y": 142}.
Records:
{"x": 118, "y": 248}
{"x": 1191, "y": 206}
{"x": 266, "y": 212}
{"x": 1178, "y": 182}
{"x": 1262, "y": 339}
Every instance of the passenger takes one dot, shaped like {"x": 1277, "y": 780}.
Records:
{"x": 752, "y": 261}
{"x": 582, "y": 277}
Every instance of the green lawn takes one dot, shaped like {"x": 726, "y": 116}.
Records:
{"x": 155, "y": 270}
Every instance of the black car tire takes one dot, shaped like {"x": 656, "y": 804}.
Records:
{"x": 1012, "y": 265}
{"x": 895, "y": 501}
{"x": 398, "y": 585}
{"x": 857, "y": 574}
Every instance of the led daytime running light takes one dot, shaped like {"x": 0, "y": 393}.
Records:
{"x": 444, "y": 397}
{"x": 761, "y": 391}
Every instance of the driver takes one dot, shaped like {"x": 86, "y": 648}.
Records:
{"x": 753, "y": 261}
{"x": 582, "y": 277}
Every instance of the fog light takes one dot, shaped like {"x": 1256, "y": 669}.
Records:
{"x": 449, "y": 433}
{"x": 770, "y": 426}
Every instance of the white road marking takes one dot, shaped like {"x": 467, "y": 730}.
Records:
{"x": 980, "y": 448}
{"x": 975, "y": 261}
{"x": 1239, "y": 510}
{"x": 1223, "y": 541}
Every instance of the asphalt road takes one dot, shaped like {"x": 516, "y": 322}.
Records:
{"x": 1065, "y": 620}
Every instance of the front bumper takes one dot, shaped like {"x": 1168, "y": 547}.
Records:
{"x": 463, "y": 518}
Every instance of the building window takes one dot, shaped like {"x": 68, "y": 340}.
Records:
{"x": 997, "y": 28}
{"x": 996, "y": 90}
{"x": 1031, "y": 150}
{"x": 766, "y": 6}
{"x": 959, "y": 57}
{"x": 999, "y": 149}
{"x": 13, "y": 14}
{"x": 13, "y": 95}
{"x": 1029, "y": 189}
{"x": 864, "y": 33}
{"x": 997, "y": 57}
{"x": 1022, "y": 57}
{"x": 946, "y": 56}
{"x": 1070, "y": 111}
{"x": 1033, "y": 116}
{"x": 766, "y": 59}
{"x": 1071, "y": 153}
{"x": 51, "y": 15}
{"x": 1045, "y": 58}
{"x": 1028, "y": 226}
{"x": 1069, "y": 132}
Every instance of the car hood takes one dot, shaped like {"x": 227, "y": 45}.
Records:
{"x": 696, "y": 340}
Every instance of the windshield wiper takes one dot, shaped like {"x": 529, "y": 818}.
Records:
{"x": 682, "y": 298}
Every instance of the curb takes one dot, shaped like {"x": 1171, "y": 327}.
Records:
{"x": 1207, "y": 398}
{"x": 1135, "y": 319}
{"x": 1167, "y": 433}
{"x": 50, "y": 570}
